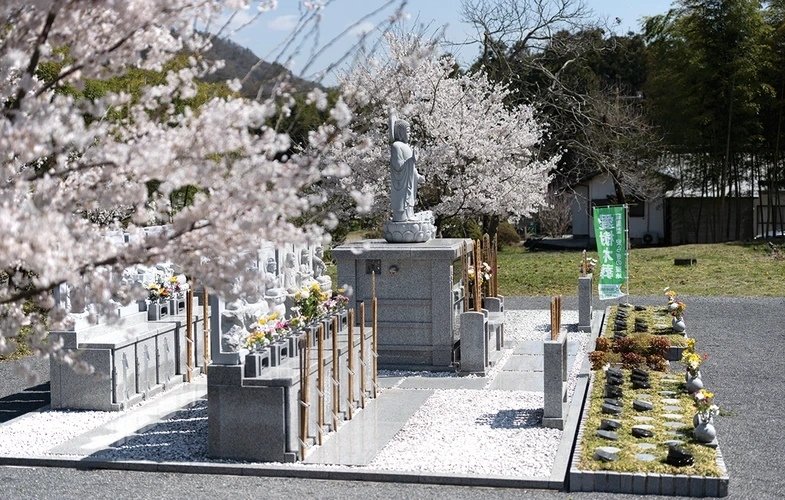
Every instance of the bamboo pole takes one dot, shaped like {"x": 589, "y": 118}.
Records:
{"x": 477, "y": 270}
{"x": 320, "y": 390}
{"x": 465, "y": 277}
{"x": 555, "y": 316}
{"x": 336, "y": 376}
{"x": 305, "y": 388}
{"x": 206, "y": 333}
{"x": 363, "y": 388}
{"x": 375, "y": 332}
{"x": 189, "y": 332}
{"x": 495, "y": 266}
{"x": 350, "y": 361}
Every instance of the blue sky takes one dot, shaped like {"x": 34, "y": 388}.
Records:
{"x": 272, "y": 27}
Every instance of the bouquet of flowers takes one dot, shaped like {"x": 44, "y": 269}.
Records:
{"x": 679, "y": 309}
{"x": 484, "y": 274}
{"x": 706, "y": 408}
{"x": 308, "y": 302}
{"x": 692, "y": 361}
{"x": 163, "y": 289}
{"x": 670, "y": 295}
{"x": 335, "y": 303}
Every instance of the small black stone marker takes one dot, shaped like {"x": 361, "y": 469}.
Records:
{"x": 614, "y": 372}
{"x": 619, "y": 335}
{"x": 613, "y": 392}
{"x": 608, "y": 435}
{"x": 608, "y": 424}
{"x": 642, "y": 433}
{"x": 614, "y": 402}
{"x": 614, "y": 380}
{"x": 611, "y": 409}
{"x": 679, "y": 457}
{"x": 640, "y": 384}
{"x": 640, "y": 308}
{"x": 637, "y": 372}
{"x": 642, "y": 405}
{"x": 684, "y": 262}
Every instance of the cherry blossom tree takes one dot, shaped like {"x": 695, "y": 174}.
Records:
{"x": 479, "y": 156}
{"x": 77, "y": 170}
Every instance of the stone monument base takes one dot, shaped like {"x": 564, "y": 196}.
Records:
{"x": 419, "y": 296}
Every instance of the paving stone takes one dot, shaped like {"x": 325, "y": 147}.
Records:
{"x": 643, "y": 396}
{"x": 646, "y": 446}
{"x": 672, "y": 408}
{"x": 673, "y": 442}
{"x": 641, "y": 418}
{"x": 671, "y": 401}
{"x": 668, "y": 393}
{"x": 645, "y": 457}
{"x": 672, "y": 416}
{"x": 674, "y": 425}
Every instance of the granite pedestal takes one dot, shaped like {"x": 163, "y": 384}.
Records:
{"x": 419, "y": 296}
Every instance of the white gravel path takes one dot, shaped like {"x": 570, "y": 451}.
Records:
{"x": 37, "y": 432}
{"x": 457, "y": 431}
{"x": 474, "y": 432}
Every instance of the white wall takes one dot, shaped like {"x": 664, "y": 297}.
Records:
{"x": 600, "y": 187}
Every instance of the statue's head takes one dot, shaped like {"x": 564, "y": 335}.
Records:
{"x": 319, "y": 251}
{"x": 401, "y": 132}
{"x": 271, "y": 265}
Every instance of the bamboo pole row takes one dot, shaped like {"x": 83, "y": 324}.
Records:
{"x": 305, "y": 369}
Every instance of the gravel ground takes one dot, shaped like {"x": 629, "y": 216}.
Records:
{"x": 499, "y": 430}
{"x": 744, "y": 338}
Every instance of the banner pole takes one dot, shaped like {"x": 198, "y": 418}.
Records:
{"x": 627, "y": 234}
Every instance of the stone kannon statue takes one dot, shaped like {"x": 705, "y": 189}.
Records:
{"x": 290, "y": 275}
{"x": 319, "y": 270}
{"x": 275, "y": 296}
{"x": 406, "y": 226}
{"x": 403, "y": 172}
{"x": 305, "y": 274}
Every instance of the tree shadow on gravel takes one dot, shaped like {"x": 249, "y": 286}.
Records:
{"x": 30, "y": 399}
{"x": 183, "y": 437}
{"x": 512, "y": 419}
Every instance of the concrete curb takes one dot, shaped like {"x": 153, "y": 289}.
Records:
{"x": 257, "y": 470}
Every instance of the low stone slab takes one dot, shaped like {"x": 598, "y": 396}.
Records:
{"x": 607, "y": 453}
{"x": 608, "y": 435}
{"x": 642, "y": 406}
{"x": 611, "y": 409}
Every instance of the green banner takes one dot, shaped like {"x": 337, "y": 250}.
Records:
{"x": 609, "y": 230}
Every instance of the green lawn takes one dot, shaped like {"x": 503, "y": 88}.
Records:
{"x": 724, "y": 269}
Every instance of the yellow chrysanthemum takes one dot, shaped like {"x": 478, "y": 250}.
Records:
{"x": 272, "y": 317}
{"x": 316, "y": 287}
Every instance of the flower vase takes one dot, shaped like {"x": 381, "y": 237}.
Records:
{"x": 697, "y": 420}
{"x": 705, "y": 432}
{"x": 678, "y": 324}
{"x": 693, "y": 383}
